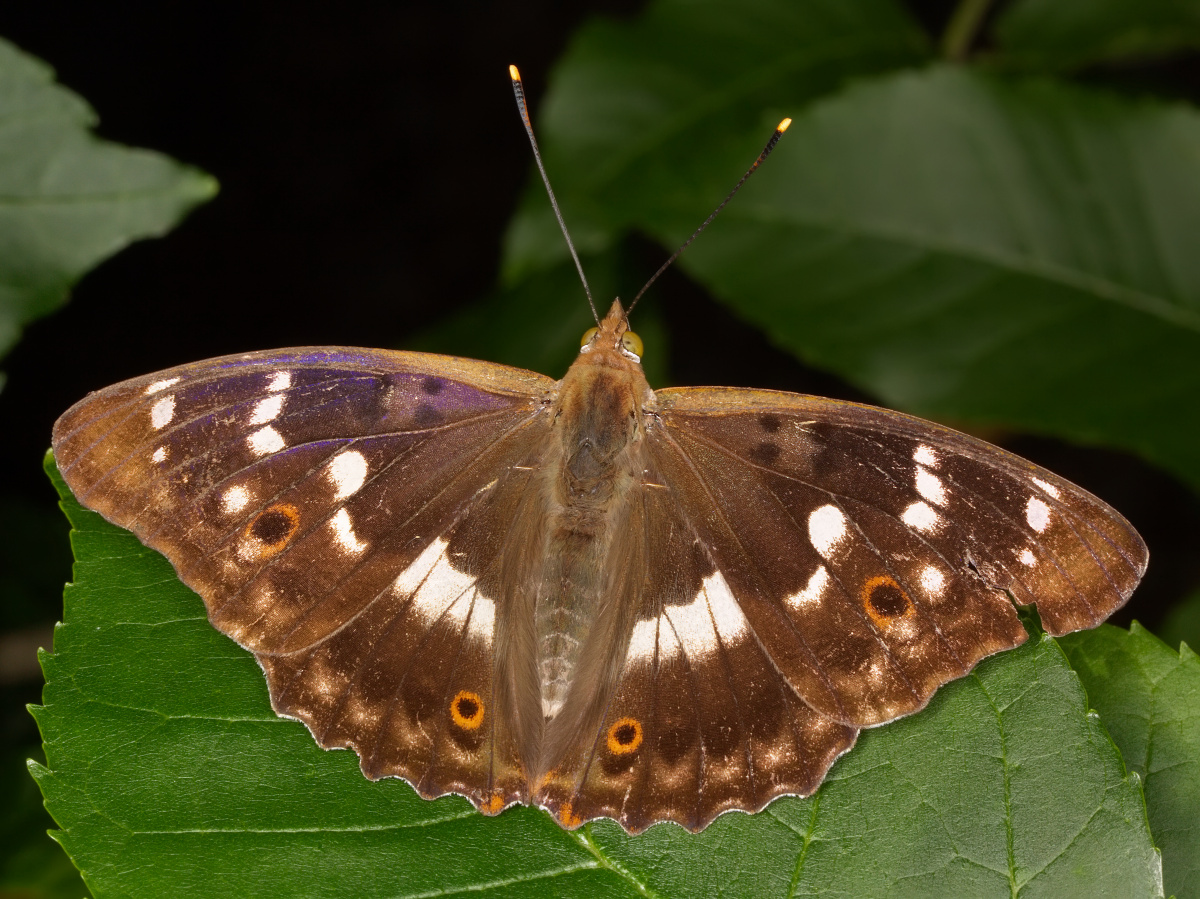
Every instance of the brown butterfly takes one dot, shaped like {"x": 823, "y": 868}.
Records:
{"x": 585, "y": 594}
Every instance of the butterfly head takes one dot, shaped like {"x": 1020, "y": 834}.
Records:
{"x": 613, "y": 335}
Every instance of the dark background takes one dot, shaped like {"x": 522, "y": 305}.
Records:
{"x": 369, "y": 157}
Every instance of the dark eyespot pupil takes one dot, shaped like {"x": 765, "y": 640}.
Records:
{"x": 432, "y": 386}
{"x": 272, "y": 527}
{"x": 770, "y": 423}
{"x": 468, "y": 708}
{"x": 625, "y": 734}
{"x": 888, "y": 601}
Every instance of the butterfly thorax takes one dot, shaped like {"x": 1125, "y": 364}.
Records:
{"x": 596, "y": 465}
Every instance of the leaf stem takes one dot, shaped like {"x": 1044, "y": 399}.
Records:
{"x": 962, "y": 28}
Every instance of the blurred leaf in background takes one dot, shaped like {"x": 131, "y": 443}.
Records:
{"x": 67, "y": 199}
{"x": 1182, "y": 624}
{"x": 1148, "y": 696}
{"x": 1051, "y": 35}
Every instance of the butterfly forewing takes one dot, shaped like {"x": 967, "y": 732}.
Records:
{"x": 337, "y": 511}
{"x": 892, "y": 545}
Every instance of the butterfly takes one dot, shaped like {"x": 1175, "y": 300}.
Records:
{"x": 584, "y": 594}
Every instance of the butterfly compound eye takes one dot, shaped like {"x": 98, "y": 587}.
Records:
{"x": 632, "y": 343}
{"x": 587, "y": 336}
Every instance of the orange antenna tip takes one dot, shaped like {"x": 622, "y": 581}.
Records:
{"x": 516, "y": 76}
{"x": 766, "y": 151}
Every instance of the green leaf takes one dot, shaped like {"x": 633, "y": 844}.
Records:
{"x": 1182, "y": 622}
{"x": 67, "y": 199}
{"x": 667, "y": 109}
{"x": 31, "y": 866}
{"x": 1065, "y": 34}
{"x": 1149, "y": 698}
{"x": 169, "y": 775}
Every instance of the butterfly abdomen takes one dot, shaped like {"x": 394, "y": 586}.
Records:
{"x": 587, "y": 489}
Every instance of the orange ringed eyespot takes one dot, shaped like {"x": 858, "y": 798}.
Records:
{"x": 885, "y": 601}
{"x": 466, "y": 710}
{"x": 624, "y": 736}
{"x": 274, "y": 526}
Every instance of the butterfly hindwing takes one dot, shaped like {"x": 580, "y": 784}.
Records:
{"x": 697, "y": 721}
{"x": 410, "y": 683}
{"x": 893, "y": 543}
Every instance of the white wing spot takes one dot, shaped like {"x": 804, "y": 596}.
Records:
{"x": 727, "y": 614}
{"x": 414, "y": 575}
{"x": 265, "y": 440}
{"x": 481, "y": 609}
{"x": 827, "y": 529}
{"x": 1028, "y": 558}
{"x": 161, "y": 385}
{"x": 343, "y": 530}
{"x": 643, "y": 640}
{"x": 280, "y": 380}
{"x": 347, "y": 472}
{"x": 235, "y": 499}
{"x": 669, "y": 647}
{"x": 1049, "y": 488}
{"x": 932, "y": 580}
{"x": 920, "y": 516}
{"x": 701, "y": 624}
{"x": 459, "y": 610}
{"x": 812, "y": 592}
{"x": 160, "y": 454}
{"x": 267, "y": 410}
{"x": 693, "y": 625}
{"x": 162, "y": 412}
{"x": 435, "y": 585}
{"x": 930, "y": 486}
{"x": 1037, "y": 513}
{"x": 483, "y": 618}
{"x": 924, "y": 455}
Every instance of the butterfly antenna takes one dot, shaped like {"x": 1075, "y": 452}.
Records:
{"x": 779, "y": 129}
{"x": 519, "y": 90}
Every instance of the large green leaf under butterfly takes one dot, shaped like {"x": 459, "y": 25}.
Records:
{"x": 583, "y": 594}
